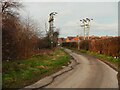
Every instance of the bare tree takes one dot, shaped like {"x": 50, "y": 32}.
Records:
{"x": 10, "y": 23}
{"x": 28, "y": 39}
{"x": 10, "y": 8}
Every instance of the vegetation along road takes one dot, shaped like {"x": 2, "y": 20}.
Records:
{"x": 89, "y": 73}
{"x": 20, "y": 73}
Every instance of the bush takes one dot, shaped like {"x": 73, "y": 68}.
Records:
{"x": 109, "y": 46}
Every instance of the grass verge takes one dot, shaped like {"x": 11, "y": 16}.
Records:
{"x": 19, "y": 73}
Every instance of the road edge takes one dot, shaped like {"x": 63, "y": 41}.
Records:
{"x": 104, "y": 61}
{"x": 49, "y": 79}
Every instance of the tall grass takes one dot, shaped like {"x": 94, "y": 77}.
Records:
{"x": 17, "y": 74}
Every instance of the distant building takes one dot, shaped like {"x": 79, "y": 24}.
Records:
{"x": 76, "y": 39}
{"x": 67, "y": 40}
{"x": 61, "y": 40}
{"x": 72, "y": 39}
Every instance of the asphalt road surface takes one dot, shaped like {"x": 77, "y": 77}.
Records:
{"x": 90, "y": 73}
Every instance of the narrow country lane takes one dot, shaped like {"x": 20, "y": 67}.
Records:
{"x": 89, "y": 73}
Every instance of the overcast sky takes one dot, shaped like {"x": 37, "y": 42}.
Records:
{"x": 104, "y": 15}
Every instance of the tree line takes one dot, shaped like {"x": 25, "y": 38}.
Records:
{"x": 109, "y": 46}
{"x": 20, "y": 37}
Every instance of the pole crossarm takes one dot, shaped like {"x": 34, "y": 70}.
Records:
{"x": 85, "y": 23}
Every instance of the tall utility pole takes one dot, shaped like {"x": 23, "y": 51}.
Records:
{"x": 51, "y": 26}
{"x": 86, "y": 23}
{"x": 78, "y": 36}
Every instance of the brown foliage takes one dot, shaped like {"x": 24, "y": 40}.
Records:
{"x": 84, "y": 44}
{"x": 109, "y": 46}
{"x": 21, "y": 38}
{"x": 18, "y": 39}
{"x": 9, "y": 29}
{"x": 105, "y": 46}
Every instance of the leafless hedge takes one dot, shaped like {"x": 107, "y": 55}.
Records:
{"x": 109, "y": 46}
